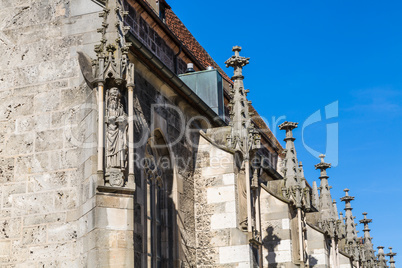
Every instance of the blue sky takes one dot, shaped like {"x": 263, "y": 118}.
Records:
{"x": 308, "y": 54}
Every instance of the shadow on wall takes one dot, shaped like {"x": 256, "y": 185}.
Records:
{"x": 271, "y": 242}
{"x": 312, "y": 261}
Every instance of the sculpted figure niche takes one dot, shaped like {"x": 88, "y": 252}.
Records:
{"x": 116, "y": 138}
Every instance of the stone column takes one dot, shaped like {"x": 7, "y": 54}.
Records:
{"x": 101, "y": 137}
{"x": 130, "y": 88}
{"x": 248, "y": 191}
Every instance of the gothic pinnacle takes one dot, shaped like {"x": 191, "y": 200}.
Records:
{"x": 288, "y": 126}
{"x": 292, "y": 171}
{"x": 301, "y": 169}
{"x": 382, "y": 262}
{"x": 237, "y": 62}
{"x": 326, "y": 206}
{"x": 366, "y": 221}
{"x": 367, "y": 244}
{"x": 335, "y": 208}
{"x": 295, "y": 187}
{"x": 347, "y": 198}
{"x": 112, "y": 50}
{"x": 323, "y": 166}
{"x": 325, "y": 196}
{"x": 315, "y": 195}
{"x": 391, "y": 256}
{"x": 243, "y": 136}
{"x": 351, "y": 234}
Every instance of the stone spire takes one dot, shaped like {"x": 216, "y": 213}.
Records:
{"x": 341, "y": 216}
{"x": 112, "y": 51}
{"x": 342, "y": 230}
{"x": 382, "y": 261}
{"x": 325, "y": 199}
{"x": 295, "y": 186}
{"x": 391, "y": 256}
{"x": 351, "y": 244}
{"x": 291, "y": 170}
{"x": 301, "y": 170}
{"x": 243, "y": 137}
{"x": 316, "y": 197}
{"x": 369, "y": 256}
{"x": 335, "y": 209}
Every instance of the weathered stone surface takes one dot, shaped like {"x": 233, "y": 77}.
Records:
{"x": 52, "y": 251}
{"x": 44, "y": 218}
{"x": 10, "y": 228}
{"x": 62, "y": 232}
{"x": 221, "y": 194}
{"x": 31, "y": 164}
{"x": 234, "y": 254}
{"x": 5, "y": 248}
{"x": 10, "y": 190}
{"x": 33, "y": 203}
{"x": 50, "y": 181}
{"x": 19, "y": 144}
{"x": 6, "y": 169}
{"x": 34, "y": 235}
{"x": 65, "y": 200}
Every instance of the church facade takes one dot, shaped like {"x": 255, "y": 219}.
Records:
{"x": 124, "y": 144}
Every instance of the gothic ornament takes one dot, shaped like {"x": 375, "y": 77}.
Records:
{"x": 244, "y": 139}
{"x": 114, "y": 79}
{"x": 116, "y": 138}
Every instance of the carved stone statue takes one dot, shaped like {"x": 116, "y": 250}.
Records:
{"x": 116, "y": 138}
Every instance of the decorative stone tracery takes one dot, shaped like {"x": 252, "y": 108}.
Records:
{"x": 113, "y": 76}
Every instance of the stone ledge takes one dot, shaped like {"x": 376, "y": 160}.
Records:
{"x": 115, "y": 190}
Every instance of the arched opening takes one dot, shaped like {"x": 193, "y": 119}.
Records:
{"x": 161, "y": 239}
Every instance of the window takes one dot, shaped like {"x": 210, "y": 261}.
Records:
{"x": 160, "y": 210}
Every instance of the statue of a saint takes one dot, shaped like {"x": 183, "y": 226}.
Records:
{"x": 116, "y": 132}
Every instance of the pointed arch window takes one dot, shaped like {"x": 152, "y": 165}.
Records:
{"x": 160, "y": 242}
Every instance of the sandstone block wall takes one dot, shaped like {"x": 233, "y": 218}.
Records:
{"x": 276, "y": 231}
{"x": 44, "y": 168}
{"x": 317, "y": 249}
{"x": 344, "y": 261}
{"x": 220, "y": 242}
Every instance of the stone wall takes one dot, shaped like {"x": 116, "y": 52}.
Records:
{"x": 317, "y": 248}
{"x": 219, "y": 240}
{"x": 344, "y": 261}
{"x": 276, "y": 231}
{"x": 44, "y": 122}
